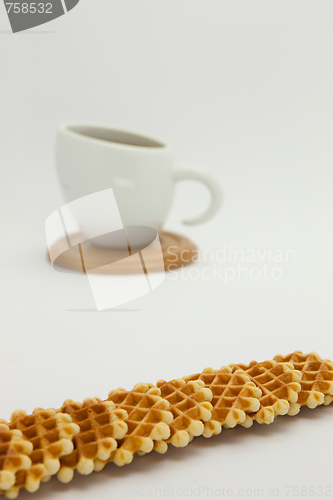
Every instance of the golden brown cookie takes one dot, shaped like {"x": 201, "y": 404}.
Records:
{"x": 234, "y": 397}
{"x": 316, "y": 382}
{"x": 101, "y": 424}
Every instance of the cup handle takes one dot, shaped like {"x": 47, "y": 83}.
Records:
{"x": 183, "y": 172}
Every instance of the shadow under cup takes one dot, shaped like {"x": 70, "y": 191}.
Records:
{"x": 131, "y": 238}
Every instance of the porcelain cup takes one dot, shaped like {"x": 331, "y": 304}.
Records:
{"x": 140, "y": 169}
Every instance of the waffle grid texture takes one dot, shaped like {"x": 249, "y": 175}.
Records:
{"x": 50, "y": 436}
{"x": 316, "y": 379}
{"x": 86, "y": 436}
{"x": 234, "y": 396}
{"x": 279, "y": 386}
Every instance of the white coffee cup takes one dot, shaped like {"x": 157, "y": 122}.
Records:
{"x": 140, "y": 170}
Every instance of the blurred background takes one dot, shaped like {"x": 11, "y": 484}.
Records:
{"x": 241, "y": 88}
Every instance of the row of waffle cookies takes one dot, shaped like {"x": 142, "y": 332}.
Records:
{"x": 86, "y": 436}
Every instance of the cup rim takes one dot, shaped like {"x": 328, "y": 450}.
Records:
{"x": 156, "y": 144}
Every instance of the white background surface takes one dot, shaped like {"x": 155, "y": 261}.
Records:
{"x": 244, "y": 89}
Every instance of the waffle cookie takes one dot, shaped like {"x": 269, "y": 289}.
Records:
{"x": 148, "y": 421}
{"x": 279, "y": 385}
{"x": 100, "y": 425}
{"x": 50, "y": 435}
{"x": 316, "y": 381}
{"x": 190, "y": 407}
{"x": 14, "y": 451}
{"x": 86, "y": 436}
{"x": 234, "y": 397}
